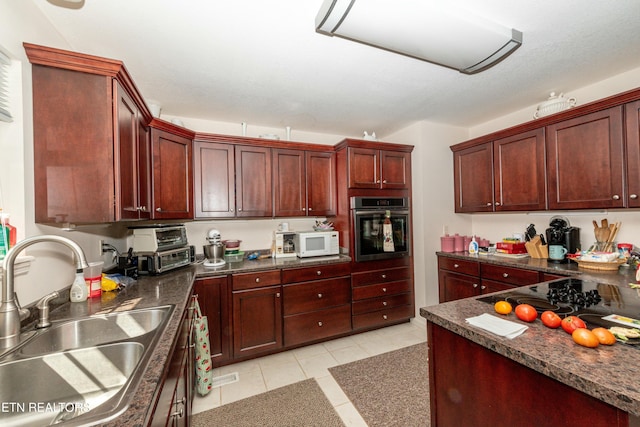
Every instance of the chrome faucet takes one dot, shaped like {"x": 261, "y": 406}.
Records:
{"x": 10, "y": 313}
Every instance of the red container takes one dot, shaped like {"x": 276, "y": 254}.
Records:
{"x": 511, "y": 248}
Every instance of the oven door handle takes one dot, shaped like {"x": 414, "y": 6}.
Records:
{"x": 381, "y": 211}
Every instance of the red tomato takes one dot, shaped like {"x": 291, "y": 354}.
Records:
{"x": 526, "y": 312}
{"x": 550, "y": 319}
{"x": 571, "y": 323}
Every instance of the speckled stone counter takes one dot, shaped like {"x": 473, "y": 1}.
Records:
{"x": 171, "y": 288}
{"x": 608, "y": 373}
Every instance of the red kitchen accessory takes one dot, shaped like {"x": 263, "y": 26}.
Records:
{"x": 511, "y": 247}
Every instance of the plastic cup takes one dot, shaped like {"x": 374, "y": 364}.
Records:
{"x": 93, "y": 278}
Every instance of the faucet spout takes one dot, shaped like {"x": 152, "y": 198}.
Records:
{"x": 9, "y": 313}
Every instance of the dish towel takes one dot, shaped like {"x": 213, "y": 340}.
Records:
{"x": 495, "y": 325}
{"x": 204, "y": 374}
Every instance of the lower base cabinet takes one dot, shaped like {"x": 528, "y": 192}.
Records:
{"x": 213, "y": 295}
{"x": 173, "y": 406}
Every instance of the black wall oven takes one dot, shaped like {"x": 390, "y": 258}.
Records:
{"x": 368, "y": 214}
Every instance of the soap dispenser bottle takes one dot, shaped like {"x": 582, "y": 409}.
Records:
{"x": 473, "y": 246}
{"x": 79, "y": 291}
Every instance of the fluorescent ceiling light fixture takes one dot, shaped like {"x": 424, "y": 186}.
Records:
{"x": 424, "y": 30}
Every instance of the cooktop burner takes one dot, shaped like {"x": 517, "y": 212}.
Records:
{"x": 589, "y": 300}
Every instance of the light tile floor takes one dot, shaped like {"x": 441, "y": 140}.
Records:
{"x": 267, "y": 373}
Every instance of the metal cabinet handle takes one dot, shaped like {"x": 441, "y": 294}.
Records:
{"x": 158, "y": 209}
{"x": 303, "y": 209}
{"x": 505, "y": 275}
{"x": 384, "y": 181}
{"x": 633, "y": 196}
{"x": 455, "y": 266}
{"x": 483, "y": 287}
{"x": 240, "y": 210}
{"x": 384, "y": 316}
{"x": 384, "y": 303}
{"x": 278, "y": 295}
{"x": 319, "y": 323}
{"x": 489, "y": 204}
{"x": 616, "y": 197}
{"x": 384, "y": 289}
{"x": 257, "y": 280}
{"x": 178, "y": 414}
{"x": 319, "y": 272}
{"x": 319, "y": 295}
{"x": 230, "y": 210}
{"x": 378, "y": 181}
{"x": 310, "y": 209}
{"x": 384, "y": 276}
{"x": 475, "y": 285}
{"x": 497, "y": 203}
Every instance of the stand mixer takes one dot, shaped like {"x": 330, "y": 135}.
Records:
{"x": 214, "y": 251}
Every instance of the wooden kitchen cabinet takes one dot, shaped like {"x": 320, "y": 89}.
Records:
{"x": 232, "y": 180}
{"x": 175, "y": 398}
{"x": 496, "y": 278}
{"x": 632, "y": 129}
{"x": 304, "y": 183}
{"x": 585, "y": 161}
{"x": 375, "y": 168}
{"x": 213, "y": 295}
{"x": 473, "y": 179}
{"x": 316, "y": 303}
{"x": 257, "y": 313}
{"x": 457, "y": 279}
{"x": 172, "y": 169}
{"x": 519, "y": 173}
{"x": 381, "y": 297}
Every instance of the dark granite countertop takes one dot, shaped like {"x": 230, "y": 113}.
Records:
{"x": 171, "y": 288}
{"x": 607, "y": 372}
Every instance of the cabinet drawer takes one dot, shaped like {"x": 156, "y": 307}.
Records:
{"x": 377, "y": 318}
{"x": 316, "y": 295}
{"x": 374, "y": 304}
{"x": 380, "y": 276}
{"x": 255, "y": 280}
{"x": 305, "y": 274}
{"x": 514, "y": 276}
{"x": 316, "y": 325}
{"x": 380, "y": 290}
{"x": 472, "y": 268}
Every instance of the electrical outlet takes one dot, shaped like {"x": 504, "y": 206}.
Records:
{"x": 100, "y": 243}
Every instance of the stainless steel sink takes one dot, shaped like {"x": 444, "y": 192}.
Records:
{"x": 95, "y": 330}
{"x": 81, "y": 371}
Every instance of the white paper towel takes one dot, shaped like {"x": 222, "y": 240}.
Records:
{"x": 495, "y": 325}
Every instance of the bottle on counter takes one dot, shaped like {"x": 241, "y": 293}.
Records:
{"x": 473, "y": 246}
{"x": 79, "y": 289}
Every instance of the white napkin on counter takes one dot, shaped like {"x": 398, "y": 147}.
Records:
{"x": 495, "y": 325}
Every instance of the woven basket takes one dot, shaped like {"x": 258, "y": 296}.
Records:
{"x": 603, "y": 266}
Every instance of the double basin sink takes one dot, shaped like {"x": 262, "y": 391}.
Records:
{"x": 81, "y": 371}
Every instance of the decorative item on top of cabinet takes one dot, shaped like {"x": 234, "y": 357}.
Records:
{"x": 172, "y": 168}
{"x": 304, "y": 183}
{"x": 257, "y": 313}
{"x": 632, "y": 122}
{"x": 213, "y": 295}
{"x": 316, "y": 303}
{"x": 381, "y": 297}
{"x": 585, "y": 161}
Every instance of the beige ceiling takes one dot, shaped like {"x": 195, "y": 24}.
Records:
{"x": 262, "y": 62}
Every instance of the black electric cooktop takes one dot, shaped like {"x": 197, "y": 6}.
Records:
{"x": 589, "y": 300}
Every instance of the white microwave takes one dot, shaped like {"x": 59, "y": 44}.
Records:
{"x": 316, "y": 243}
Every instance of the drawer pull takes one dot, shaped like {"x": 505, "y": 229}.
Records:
{"x": 456, "y": 265}
{"x": 384, "y": 289}
{"x": 257, "y": 280}
{"x": 384, "y": 303}
{"x": 384, "y": 316}
{"x": 633, "y": 196}
{"x": 384, "y": 276}
{"x": 319, "y": 323}
{"x": 475, "y": 285}
{"x": 319, "y": 273}
{"x": 178, "y": 414}
{"x": 319, "y": 295}
{"x": 483, "y": 287}
{"x": 278, "y": 295}
{"x": 505, "y": 275}
{"x": 616, "y": 197}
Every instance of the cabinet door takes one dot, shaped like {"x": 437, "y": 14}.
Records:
{"x": 519, "y": 172}
{"x": 257, "y": 321}
{"x": 127, "y": 137}
{"x": 473, "y": 179}
{"x": 214, "y": 303}
{"x": 364, "y": 170}
{"x": 585, "y": 161}
{"x": 454, "y": 286}
{"x": 289, "y": 183}
{"x": 321, "y": 183}
{"x": 395, "y": 169}
{"x": 253, "y": 181}
{"x": 632, "y": 117}
{"x": 172, "y": 176}
{"x": 214, "y": 182}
